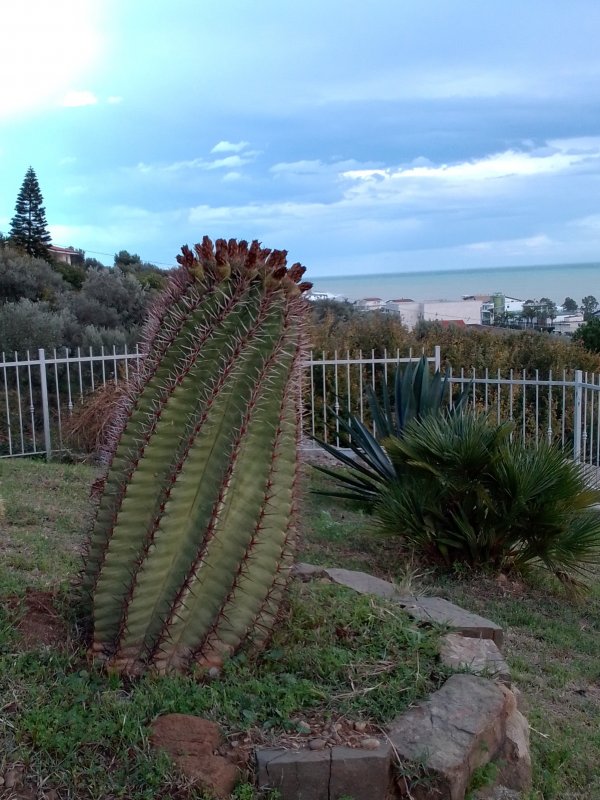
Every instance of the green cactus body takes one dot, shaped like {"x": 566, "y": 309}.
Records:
{"x": 191, "y": 544}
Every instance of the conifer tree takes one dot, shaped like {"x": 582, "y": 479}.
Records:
{"x": 29, "y": 229}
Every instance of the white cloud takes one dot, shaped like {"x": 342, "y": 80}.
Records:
{"x": 75, "y": 98}
{"x": 297, "y": 167}
{"x": 510, "y": 163}
{"x": 114, "y": 99}
{"x": 64, "y": 38}
{"x": 229, "y": 147}
{"x": 317, "y": 167}
{"x": 232, "y": 176}
{"x": 228, "y": 162}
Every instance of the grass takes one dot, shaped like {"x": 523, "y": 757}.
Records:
{"x": 552, "y": 642}
{"x": 75, "y": 731}
{"x": 86, "y": 735}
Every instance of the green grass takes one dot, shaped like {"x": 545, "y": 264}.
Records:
{"x": 85, "y": 734}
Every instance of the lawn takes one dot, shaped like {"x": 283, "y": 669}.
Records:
{"x": 67, "y": 730}
{"x": 79, "y": 734}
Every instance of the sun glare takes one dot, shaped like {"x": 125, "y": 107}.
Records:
{"x": 47, "y": 50}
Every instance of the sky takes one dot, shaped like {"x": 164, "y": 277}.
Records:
{"x": 391, "y": 136}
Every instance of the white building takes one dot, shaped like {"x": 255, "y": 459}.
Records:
{"x": 370, "y": 303}
{"x": 497, "y": 306}
{"x": 567, "y": 323}
{"x": 467, "y": 311}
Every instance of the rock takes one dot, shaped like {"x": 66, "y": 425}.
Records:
{"x": 303, "y": 727}
{"x": 191, "y": 742}
{"x": 326, "y": 774}
{"x": 12, "y": 777}
{"x": 362, "y": 582}
{"x": 306, "y": 572}
{"x": 297, "y": 774}
{"x": 459, "y": 728}
{"x": 522, "y": 704}
{"x": 360, "y": 726}
{"x": 361, "y": 775}
{"x": 438, "y": 610}
{"x": 317, "y": 744}
{"x": 370, "y": 743}
{"x": 515, "y": 772}
{"x": 480, "y": 656}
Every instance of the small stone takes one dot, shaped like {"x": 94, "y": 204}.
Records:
{"x": 360, "y": 726}
{"x": 214, "y": 673}
{"x": 303, "y": 727}
{"x": 1, "y": 781}
{"x": 370, "y": 743}
{"x": 337, "y": 726}
{"x": 317, "y": 744}
{"x": 11, "y": 778}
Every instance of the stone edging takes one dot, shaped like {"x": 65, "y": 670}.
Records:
{"x": 433, "y": 748}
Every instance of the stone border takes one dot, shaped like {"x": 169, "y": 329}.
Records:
{"x": 433, "y": 748}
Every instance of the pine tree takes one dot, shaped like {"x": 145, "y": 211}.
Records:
{"x": 29, "y": 229}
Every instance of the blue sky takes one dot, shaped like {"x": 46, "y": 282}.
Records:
{"x": 362, "y": 137}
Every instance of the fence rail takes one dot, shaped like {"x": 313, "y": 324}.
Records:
{"x": 37, "y": 395}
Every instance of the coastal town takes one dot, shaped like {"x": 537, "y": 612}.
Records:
{"x": 476, "y": 310}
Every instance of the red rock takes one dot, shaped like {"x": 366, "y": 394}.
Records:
{"x": 191, "y": 742}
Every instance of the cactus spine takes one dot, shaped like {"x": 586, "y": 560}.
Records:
{"x": 195, "y": 522}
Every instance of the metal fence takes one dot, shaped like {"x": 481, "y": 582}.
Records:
{"x": 37, "y": 394}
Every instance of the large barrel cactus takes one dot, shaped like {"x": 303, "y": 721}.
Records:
{"x": 195, "y": 524}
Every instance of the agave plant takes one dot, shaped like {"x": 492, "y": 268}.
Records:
{"x": 417, "y": 394}
{"x": 195, "y": 523}
{"x": 469, "y": 494}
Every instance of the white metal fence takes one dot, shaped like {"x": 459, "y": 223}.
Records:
{"x": 37, "y": 394}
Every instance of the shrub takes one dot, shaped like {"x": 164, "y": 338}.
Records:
{"x": 466, "y": 493}
{"x": 416, "y": 394}
{"x": 28, "y": 326}
{"x": 22, "y": 276}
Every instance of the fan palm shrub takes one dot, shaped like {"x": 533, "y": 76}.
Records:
{"x": 467, "y": 493}
{"x": 417, "y": 394}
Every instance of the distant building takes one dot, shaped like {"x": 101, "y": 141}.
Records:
{"x": 370, "y": 303}
{"x": 496, "y": 308}
{"x": 68, "y": 255}
{"x": 466, "y": 311}
{"x": 567, "y": 323}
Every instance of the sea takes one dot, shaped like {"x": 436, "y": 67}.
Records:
{"x": 555, "y": 281}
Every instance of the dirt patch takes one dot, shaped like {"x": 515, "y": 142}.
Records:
{"x": 38, "y": 621}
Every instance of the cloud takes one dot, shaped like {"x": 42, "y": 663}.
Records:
{"x": 228, "y": 162}
{"x": 65, "y": 39}
{"x": 318, "y": 167}
{"x": 508, "y": 164}
{"x": 114, "y": 99}
{"x": 229, "y": 147}
{"x": 76, "y": 98}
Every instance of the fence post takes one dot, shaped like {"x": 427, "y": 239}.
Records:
{"x": 45, "y": 408}
{"x": 578, "y": 403}
{"x": 438, "y": 357}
